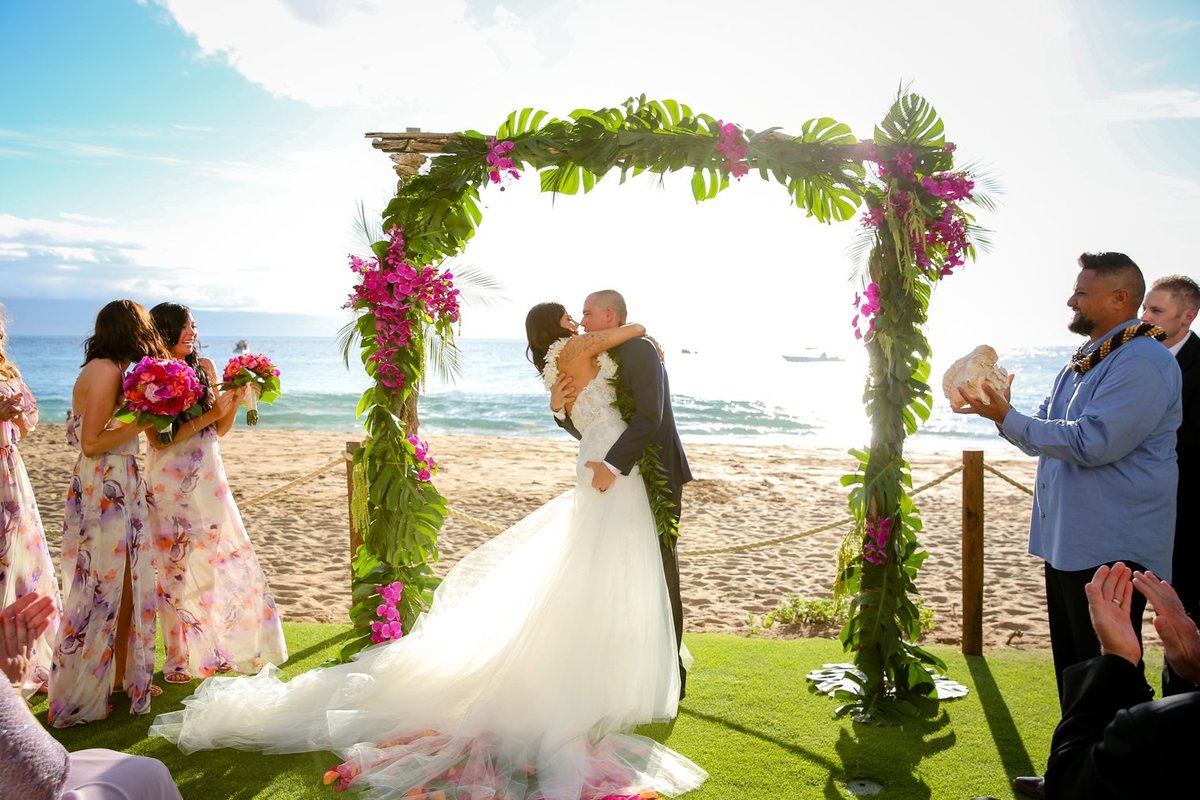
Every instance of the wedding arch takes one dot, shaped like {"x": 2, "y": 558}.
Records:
{"x": 916, "y": 228}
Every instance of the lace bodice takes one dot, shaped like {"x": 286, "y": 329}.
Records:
{"x": 593, "y": 409}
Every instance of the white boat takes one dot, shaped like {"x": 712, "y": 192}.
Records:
{"x": 241, "y": 347}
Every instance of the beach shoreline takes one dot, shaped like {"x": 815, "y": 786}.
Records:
{"x": 742, "y": 494}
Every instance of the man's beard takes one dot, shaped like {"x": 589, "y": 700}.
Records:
{"x": 1082, "y": 325}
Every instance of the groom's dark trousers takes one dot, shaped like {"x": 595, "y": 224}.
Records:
{"x": 653, "y": 423}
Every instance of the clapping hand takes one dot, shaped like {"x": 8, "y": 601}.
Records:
{"x": 21, "y": 623}
{"x": 1108, "y": 595}
{"x": 11, "y": 406}
{"x": 1181, "y": 638}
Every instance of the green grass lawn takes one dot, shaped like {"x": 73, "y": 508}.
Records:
{"x": 750, "y": 719}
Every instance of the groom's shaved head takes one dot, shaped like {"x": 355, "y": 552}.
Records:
{"x": 611, "y": 299}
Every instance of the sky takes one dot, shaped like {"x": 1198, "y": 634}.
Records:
{"x": 211, "y": 152}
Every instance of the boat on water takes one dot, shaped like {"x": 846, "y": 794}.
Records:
{"x": 822, "y": 357}
{"x": 242, "y": 346}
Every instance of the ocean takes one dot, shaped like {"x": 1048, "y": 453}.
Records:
{"x": 739, "y": 396}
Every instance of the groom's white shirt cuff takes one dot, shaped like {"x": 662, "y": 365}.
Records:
{"x": 612, "y": 469}
{"x": 560, "y": 414}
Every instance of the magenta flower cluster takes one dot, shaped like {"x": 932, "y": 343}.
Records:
{"x": 500, "y": 164}
{"x": 945, "y": 230}
{"x": 426, "y": 466}
{"x": 401, "y": 297}
{"x": 388, "y": 627}
{"x": 875, "y": 545}
{"x": 161, "y": 387}
{"x": 866, "y": 308}
{"x": 731, "y": 145}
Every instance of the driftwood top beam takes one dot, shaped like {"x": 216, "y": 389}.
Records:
{"x": 410, "y": 149}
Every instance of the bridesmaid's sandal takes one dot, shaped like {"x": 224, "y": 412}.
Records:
{"x": 177, "y": 677}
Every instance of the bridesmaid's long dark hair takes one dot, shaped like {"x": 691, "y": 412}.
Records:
{"x": 123, "y": 332}
{"x": 543, "y": 327}
{"x": 169, "y": 319}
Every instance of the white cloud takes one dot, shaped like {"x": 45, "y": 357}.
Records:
{"x": 1153, "y": 105}
{"x": 375, "y": 54}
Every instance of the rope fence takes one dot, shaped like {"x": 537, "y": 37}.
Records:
{"x": 492, "y": 527}
{"x": 972, "y": 470}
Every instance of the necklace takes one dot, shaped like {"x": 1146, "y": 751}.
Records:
{"x": 1082, "y": 363}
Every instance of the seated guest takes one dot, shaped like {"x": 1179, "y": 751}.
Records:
{"x": 33, "y": 766}
{"x": 1113, "y": 740}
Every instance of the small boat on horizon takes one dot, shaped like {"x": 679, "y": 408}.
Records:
{"x": 807, "y": 358}
{"x": 241, "y": 347}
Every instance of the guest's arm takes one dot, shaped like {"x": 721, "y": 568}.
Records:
{"x": 225, "y": 422}
{"x": 222, "y": 407}
{"x": 27, "y": 417}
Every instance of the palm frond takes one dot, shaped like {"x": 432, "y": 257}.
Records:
{"x": 859, "y": 248}
{"x": 476, "y": 287}
{"x": 367, "y": 230}
{"x": 347, "y": 337}
{"x": 987, "y": 185}
{"x": 443, "y": 356}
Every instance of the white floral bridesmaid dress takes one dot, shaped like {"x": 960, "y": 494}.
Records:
{"x": 25, "y": 564}
{"x": 105, "y": 526}
{"x": 216, "y": 609}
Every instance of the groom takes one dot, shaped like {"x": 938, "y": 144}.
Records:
{"x": 653, "y": 423}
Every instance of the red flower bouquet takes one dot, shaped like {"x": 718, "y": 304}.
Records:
{"x": 159, "y": 391}
{"x": 257, "y": 372}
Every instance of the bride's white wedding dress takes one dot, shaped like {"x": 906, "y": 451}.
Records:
{"x": 541, "y": 650}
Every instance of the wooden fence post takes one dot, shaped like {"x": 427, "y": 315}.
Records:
{"x": 972, "y": 553}
{"x": 355, "y": 536}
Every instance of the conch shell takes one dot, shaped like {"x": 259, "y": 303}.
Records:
{"x": 971, "y": 372}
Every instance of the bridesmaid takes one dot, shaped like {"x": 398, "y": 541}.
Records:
{"x": 25, "y": 564}
{"x": 216, "y": 610}
{"x": 106, "y": 640}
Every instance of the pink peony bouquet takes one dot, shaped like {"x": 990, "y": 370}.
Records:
{"x": 257, "y": 372}
{"x": 158, "y": 391}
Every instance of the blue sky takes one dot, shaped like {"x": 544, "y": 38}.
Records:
{"x": 211, "y": 151}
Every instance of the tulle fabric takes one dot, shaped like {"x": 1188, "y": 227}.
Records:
{"x": 542, "y": 649}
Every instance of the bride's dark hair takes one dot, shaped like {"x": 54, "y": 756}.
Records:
{"x": 543, "y": 327}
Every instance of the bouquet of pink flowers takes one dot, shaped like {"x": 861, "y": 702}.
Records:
{"x": 257, "y": 372}
{"x": 158, "y": 391}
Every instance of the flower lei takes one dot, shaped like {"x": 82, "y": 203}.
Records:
{"x": 1081, "y": 363}
{"x": 400, "y": 296}
{"x": 649, "y": 464}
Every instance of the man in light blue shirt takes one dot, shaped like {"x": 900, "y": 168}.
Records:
{"x": 1105, "y": 442}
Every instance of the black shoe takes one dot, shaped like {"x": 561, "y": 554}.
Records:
{"x": 1030, "y": 787}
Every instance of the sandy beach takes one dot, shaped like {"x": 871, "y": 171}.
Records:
{"x": 741, "y": 495}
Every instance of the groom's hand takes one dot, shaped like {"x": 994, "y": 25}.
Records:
{"x": 602, "y": 476}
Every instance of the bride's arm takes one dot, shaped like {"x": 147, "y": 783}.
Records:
{"x": 592, "y": 344}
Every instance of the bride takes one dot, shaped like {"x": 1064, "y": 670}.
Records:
{"x": 541, "y": 650}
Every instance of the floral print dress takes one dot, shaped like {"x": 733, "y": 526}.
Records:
{"x": 25, "y": 564}
{"x": 216, "y": 609}
{"x": 104, "y": 528}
